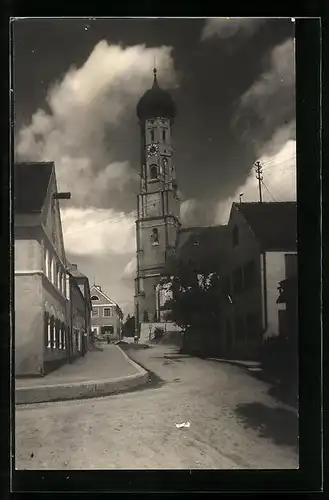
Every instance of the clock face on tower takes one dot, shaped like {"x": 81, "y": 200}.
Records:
{"x": 152, "y": 149}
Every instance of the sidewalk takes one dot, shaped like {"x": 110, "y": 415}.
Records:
{"x": 99, "y": 373}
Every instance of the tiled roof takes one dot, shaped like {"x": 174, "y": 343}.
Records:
{"x": 31, "y": 181}
{"x": 274, "y": 224}
{"x": 201, "y": 246}
{"x": 74, "y": 271}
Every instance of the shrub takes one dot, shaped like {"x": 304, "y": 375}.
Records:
{"x": 158, "y": 333}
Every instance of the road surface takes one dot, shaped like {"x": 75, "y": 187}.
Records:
{"x": 234, "y": 423}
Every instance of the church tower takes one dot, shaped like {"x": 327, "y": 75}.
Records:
{"x": 157, "y": 221}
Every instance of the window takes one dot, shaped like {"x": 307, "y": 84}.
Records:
{"x": 52, "y": 332}
{"x": 48, "y": 343}
{"x": 95, "y": 312}
{"x": 141, "y": 285}
{"x": 108, "y": 311}
{"x": 290, "y": 264}
{"x": 57, "y": 333}
{"x": 56, "y": 274}
{"x": 51, "y": 270}
{"x": 152, "y": 135}
{"x": 94, "y": 297}
{"x": 47, "y": 262}
{"x": 163, "y": 135}
{"x": 249, "y": 274}
{"x": 235, "y": 236}
{"x": 107, "y": 330}
{"x": 63, "y": 283}
{"x": 153, "y": 171}
{"x": 61, "y": 327}
{"x": 155, "y": 237}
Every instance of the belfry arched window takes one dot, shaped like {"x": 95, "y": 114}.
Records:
{"x": 155, "y": 237}
{"x": 154, "y": 171}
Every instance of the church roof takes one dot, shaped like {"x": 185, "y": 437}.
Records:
{"x": 156, "y": 102}
{"x": 273, "y": 223}
{"x": 31, "y": 181}
{"x": 200, "y": 247}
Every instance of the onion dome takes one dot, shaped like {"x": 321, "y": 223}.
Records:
{"x": 156, "y": 102}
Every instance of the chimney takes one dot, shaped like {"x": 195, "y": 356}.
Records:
{"x": 74, "y": 267}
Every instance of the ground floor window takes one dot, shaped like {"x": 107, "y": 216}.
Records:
{"x": 61, "y": 336}
{"x": 107, "y": 330}
{"x": 52, "y": 332}
{"x": 46, "y": 329}
{"x": 64, "y": 337}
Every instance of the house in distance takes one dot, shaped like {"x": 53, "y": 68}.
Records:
{"x": 106, "y": 315}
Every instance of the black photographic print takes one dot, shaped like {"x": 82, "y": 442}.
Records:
{"x": 158, "y": 257}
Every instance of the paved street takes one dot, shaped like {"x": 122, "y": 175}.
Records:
{"x": 234, "y": 423}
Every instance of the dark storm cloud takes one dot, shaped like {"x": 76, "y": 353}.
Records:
{"x": 269, "y": 103}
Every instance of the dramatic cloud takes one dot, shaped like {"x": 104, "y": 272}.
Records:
{"x": 98, "y": 231}
{"x": 270, "y": 101}
{"x": 279, "y": 178}
{"x": 88, "y": 108}
{"x": 229, "y": 27}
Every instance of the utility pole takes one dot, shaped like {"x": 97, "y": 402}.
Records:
{"x": 259, "y": 177}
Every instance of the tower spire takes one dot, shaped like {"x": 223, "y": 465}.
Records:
{"x": 155, "y": 81}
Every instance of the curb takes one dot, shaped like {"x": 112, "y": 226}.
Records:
{"x": 81, "y": 390}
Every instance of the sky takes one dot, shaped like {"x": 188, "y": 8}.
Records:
{"x": 76, "y": 86}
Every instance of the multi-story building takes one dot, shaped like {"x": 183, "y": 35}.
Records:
{"x": 79, "y": 281}
{"x": 263, "y": 244}
{"x": 106, "y": 315}
{"x": 41, "y": 299}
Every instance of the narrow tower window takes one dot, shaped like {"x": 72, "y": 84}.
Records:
{"x": 155, "y": 237}
{"x": 153, "y": 171}
{"x": 163, "y": 135}
{"x": 152, "y": 135}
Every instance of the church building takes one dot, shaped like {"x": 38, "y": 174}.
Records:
{"x": 157, "y": 223}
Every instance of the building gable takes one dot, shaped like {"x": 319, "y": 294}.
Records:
{"x": 51, "y": 219}
{"x": 31, "y": 183}
{"x": 103, "y": 299}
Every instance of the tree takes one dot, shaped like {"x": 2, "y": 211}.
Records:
{"x": 128, "y": 328}
{"x": 195, "y": 305}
